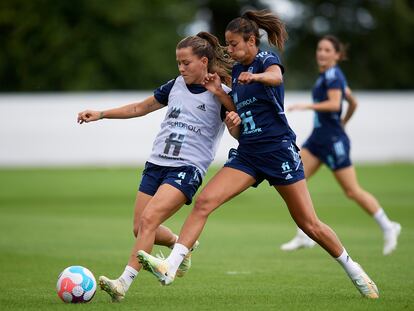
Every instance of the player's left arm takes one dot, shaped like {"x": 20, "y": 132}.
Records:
{"x": 352, "y": 105}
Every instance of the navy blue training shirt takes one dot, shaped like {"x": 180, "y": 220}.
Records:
{"x": 328, "y": 124}
{"x": 261, "y": 107}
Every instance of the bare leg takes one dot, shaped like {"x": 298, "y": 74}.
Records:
{"x": 226, "y": 184}
{"x": 164, "y": 236}
{"x": 311, "y": 164}
{"x": 162, "y": 205}
{"x": 300, "y": 206}
{"x": 347, "y": 178}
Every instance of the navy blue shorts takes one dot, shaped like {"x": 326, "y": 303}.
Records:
{"x": 187, "y": 179}
{"x": 335, "y": 153}
{"x": 279, "y": 167}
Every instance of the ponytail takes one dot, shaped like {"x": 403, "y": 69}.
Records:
{"x": 250, "y": 23}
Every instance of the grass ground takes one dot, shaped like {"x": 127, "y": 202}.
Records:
{"x": 54, "y": 218}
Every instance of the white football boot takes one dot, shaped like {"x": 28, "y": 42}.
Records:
{"x": 114, "y": 288}
{"x": 301, "y": 240}
{"x": 391, "y": 238}
{"x": 157, "y": 266}
{"x": 366, "y": 286}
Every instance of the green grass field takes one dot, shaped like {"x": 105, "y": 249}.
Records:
{"x": 54, "y": 218}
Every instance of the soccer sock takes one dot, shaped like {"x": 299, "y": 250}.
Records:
{"x": 382, "y": 219}
{"x": 176, "y": 238}
{"x": 350, "y": 266}
{"x": 128, "y": 276}
{"x": 176, "y": 257}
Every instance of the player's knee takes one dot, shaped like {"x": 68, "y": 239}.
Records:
{"x": 204, "y": 205}
{"x": 147, "y": 223}
{"x": 351, "y": 193}
{"x": 312, "y": 228}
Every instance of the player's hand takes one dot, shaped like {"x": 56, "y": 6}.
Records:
{"x": 88, "y": 116}
{"x": 212, "y": 83}
{"x": 298, "y": 107}
{"x": 232, "y": 119}
{"x": 245, "y": 78}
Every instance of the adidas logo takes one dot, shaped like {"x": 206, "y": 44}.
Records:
{"x": 288, "y": 176}
{"x": 202, "y": 107}
{"x": 178, "y": 181}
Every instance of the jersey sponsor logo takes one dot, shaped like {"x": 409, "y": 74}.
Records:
{"x": 246, "y": 102}
{"x": 185, "y": 126}
{"x": 178, "y": 181}
{"x": 202, "y": 107}
{"x": 175, "y": 112}
{"x": 165, "y": 156}
{"x": 288, "y": 176}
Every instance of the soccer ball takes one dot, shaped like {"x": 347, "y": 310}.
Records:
{"x": 76, "y": 284}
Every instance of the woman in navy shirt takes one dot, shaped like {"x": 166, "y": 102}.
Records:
{"x": 267, "y": 150}
{"x": 329, "y": 144}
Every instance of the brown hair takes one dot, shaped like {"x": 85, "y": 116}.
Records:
{"x": 338, "y": 46}
{"x": 250, "y": 23}
{"x": 206, "y": 44}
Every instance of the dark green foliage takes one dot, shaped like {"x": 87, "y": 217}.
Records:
{"x": 379, "y": 35}
{"x": 72, "y": 45}
{"x": 89, "y": 45}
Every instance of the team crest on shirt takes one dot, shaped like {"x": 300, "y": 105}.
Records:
{"x": 175, "y": 112}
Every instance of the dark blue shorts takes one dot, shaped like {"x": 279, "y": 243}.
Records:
{"x": 279, "y": 167}
{"x": 334, "y": 153}
{"x": 187, "y": 179}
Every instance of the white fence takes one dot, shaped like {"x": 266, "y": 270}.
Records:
{"x": 41, "y": 129}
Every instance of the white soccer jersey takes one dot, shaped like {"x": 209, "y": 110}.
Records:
{"x": 191, "y": 130}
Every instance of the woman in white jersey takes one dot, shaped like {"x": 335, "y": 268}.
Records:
{"x": 182, "y": 150}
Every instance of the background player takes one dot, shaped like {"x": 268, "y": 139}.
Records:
{"x": 329, "y": 144}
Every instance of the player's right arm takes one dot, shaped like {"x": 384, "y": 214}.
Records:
{"x": 133, "y": 110}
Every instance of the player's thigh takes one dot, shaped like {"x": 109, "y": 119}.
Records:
{"x": 226, "y": 184}
{"x": 298, "y": 201}
{"x": 311, "y": 163}
{"x": 165, "y": 202}
{"x": 347, "y": 178}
